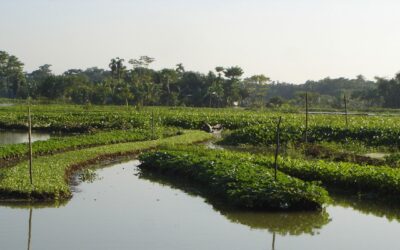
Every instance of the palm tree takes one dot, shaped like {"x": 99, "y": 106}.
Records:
{"x": 113, "y": 67}
{"x": 120, "y": 68}
{"x": 117, "y": 70}
{"x": 179, "y": 68}
{"x": 117, "y": 67}
{"x": 219, "y": 70}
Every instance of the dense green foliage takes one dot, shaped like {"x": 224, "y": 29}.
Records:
{"x": 73, "y": 121}
{"x": 340, "y": 175}
{"x": 140, "y": 85}
{"x": 253, "y": 127}
{"x": 385, "y": 94}
{"x": 364, "y": 178}
{"x": 393, "y": 159}
{"x": 240, "y": 183}
{"x": 326, "y": 93}
{"x": 51, "y": 173}
{"x": 264, "y": 134}
{"x": 12, "y": 80}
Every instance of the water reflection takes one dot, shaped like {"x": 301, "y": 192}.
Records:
{"x": 273, "y": 241}
{"x": 22, "y": 204}
{"x": 371, "y": 205}
{"x": 282, "y": 223}
{"x": 30, "y": 229}
{"x": 125, "y": 208}
{"x": 13, "y": 137}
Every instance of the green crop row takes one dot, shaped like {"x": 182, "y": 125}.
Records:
{"x": 265, "y": 134}
{"x": 347, "y": 176}
{"x": 379, "y": 180}
{"x": 241, "y": 183}
{"x": 253, "y": 127}
{"x": 51, "y": 173}
{"x": 13, "y": 152}
{"x": 73, "y": 122}
{"x": 363, "y": 178}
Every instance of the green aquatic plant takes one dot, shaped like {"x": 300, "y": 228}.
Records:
{"x": 263, "y": 134}
{"x": 51, "y": 174}
{"x": 87, "y": 175}
{"x": 13, "y": 153}
{"x": 240, "y": 183}
{"x": 252, "y": 127}
{"x": 282, "y": 223}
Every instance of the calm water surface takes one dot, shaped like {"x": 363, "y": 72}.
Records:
{"x": 6, "y": 104}
{"x": 11, "y": 137}
{"x": 122, "y": 210}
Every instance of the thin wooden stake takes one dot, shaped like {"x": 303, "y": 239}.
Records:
{"x": 345, "y": 110}
{"x": 152, "y": 125}
{"x": 277, "y": 144}
{"x": 306, "y": 132}
{"x": 273, "y": 241}
{"x": 30, "y": 229}
{"x": 30, "y": 143}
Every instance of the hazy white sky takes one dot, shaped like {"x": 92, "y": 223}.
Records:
{"x": 287, "y": 40}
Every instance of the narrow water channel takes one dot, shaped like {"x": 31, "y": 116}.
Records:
{"x": 121, "y": 209}
{"x": 6, "y": 104}
{"x": 12, "y": 137}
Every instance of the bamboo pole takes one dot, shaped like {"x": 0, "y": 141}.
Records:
{"x": 345, "y": 110}
{"x": 273, "y": 241}
{"x": 30, "y": 229}
{"x": 306, "y": 131}
{"x": 277, "y": 144}
{"x": 152, "y": 125}
{"x": 30, "y": 143}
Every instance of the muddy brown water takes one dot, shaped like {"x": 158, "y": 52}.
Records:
{"x": 121, "y": 210}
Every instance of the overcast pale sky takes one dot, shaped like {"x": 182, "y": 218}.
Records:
{"x": 287, "y": 40}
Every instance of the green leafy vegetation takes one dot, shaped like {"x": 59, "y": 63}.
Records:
{"x": 137, "y": 84}
{"x": 252, "y": 126}
{"x": 343, "y": 175}
{"x": 362, "y": 134}
{"x": 283, "y": 223}
{"x": 83, "y": 121}
{"x": 12, "y": 152}
{"x": 381, "y": 180}
{"x": 240, "y": 183}
{"x": 51, "y": 173}
{"x": 366, "y": 132}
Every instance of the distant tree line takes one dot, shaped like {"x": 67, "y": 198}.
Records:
{"x": 133, "y": 83}
{"x": 136, "y": 83}
{"x": 327, "y": 92}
